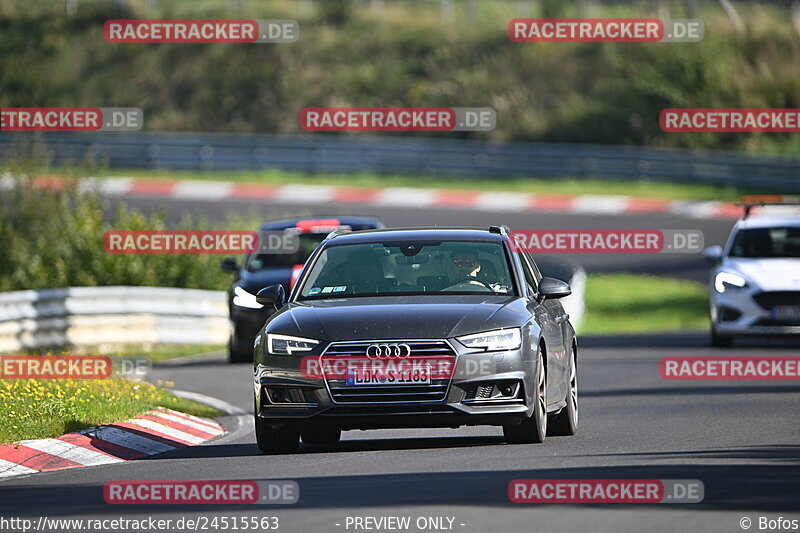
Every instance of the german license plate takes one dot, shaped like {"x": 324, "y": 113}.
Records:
{"x": 418, "y": 375}
{"x": 786, "y": 312}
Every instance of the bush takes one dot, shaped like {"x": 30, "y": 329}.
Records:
{"x": 407, "y": 55}
{"x": 54, "y": 238}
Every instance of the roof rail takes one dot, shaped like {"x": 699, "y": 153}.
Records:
{"x": 751, "y": 201}
{"x": 502, "y": 230}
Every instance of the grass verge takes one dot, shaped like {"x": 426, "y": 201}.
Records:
{"x": 164, "y": 352}
{"x": 34, "y": 409}
{"x": 568, "y": 186}
{"x": 633, "y": 303}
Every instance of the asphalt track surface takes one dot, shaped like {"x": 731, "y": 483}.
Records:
{"x": 739, "y": 438}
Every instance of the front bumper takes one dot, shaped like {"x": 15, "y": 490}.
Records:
{"x": 470, "y": 396}
{"x": 750, "y": 311}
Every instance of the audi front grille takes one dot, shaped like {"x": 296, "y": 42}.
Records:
{"x": 382, "y": 394}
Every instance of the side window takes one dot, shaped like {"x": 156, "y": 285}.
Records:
{"x": 536, "y": 273}
{"x": 530, "y": 277}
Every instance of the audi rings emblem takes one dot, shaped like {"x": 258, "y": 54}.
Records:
{"x": 388, "y": 351}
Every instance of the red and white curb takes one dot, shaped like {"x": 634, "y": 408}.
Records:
{"x": 396, "y": 197}
{"x": 157, "y": 431}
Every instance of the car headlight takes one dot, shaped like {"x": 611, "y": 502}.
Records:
{"x": 242, "y": 298}
{"x": 490, "y": 341}
{"x": 728, "y": 280}
{"x": 286, "y": 345}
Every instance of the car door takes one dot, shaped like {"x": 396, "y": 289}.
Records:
{"x": 549, "y": 317}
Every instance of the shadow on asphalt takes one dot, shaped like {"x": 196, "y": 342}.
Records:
{"x": 692, "y": 391}
{"x": 683, "y": 339}
{"x": 738, "y": 487}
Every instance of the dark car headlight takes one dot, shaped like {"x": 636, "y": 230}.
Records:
{"x": 491, "y": 341}
{"x": 288, "y": 345}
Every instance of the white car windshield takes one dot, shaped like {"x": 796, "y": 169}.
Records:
{"x": 767, "y": 243}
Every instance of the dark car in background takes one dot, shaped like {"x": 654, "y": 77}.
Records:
{"x": 259, "y": 270}
{"x": 407, "y": 328}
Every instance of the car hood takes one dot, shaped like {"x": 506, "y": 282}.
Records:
{"x": 768, "y": 274}
{"x": 402, "y": 317}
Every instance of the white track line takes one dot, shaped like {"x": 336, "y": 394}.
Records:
{"x": 600, "y": 204}
{"x": 503, "y": 201}
{"x": 406, "y": 197}
{"x": 129, "y": 440}
{"x": 71, "y": 452}
{"x": 189, "y": 423}
{"x": 305, "y": 194}
{"x": 166, "y": 430}
{"x": 202, "y": 190}
{"x": 9, "y": 469}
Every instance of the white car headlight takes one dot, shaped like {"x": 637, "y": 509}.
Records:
{"x": 728, "y": 280}
{"x": 490, "y": 341}
{"x": 242, "y": 298}
{"x": 286, "y": 345}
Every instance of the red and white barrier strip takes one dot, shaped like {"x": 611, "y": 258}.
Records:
{"x": 157, "y": 431}
{"x": 400, "y": 197}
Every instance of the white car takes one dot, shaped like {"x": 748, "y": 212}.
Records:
{"x": 755, "y": 280}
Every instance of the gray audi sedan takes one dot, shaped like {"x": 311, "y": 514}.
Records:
{"x": 407, "y": 328}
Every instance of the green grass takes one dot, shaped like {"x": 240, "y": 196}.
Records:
{"x": 634, "y": 303}
{"x": 408, "y": 54}
{"x": 165, "y": 352}
{"x": 153, "y": 352}
{"x": 35, "y": 409}
{"x": 568, "y": 186}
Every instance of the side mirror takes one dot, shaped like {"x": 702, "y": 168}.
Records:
{"x": 712, "y": 254}
{"x": 553, "y": 288}
{"x": 229, "y": 264}
{"x": 273, "y": 295}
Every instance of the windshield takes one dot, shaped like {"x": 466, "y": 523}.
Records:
{"x": 767, "y": 242}
{"x": 414, "y": 267}
{"x": 308, "y": 242}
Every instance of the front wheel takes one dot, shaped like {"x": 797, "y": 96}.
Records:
{"x": 532, "y": 429}
{"x": 238, "y": 350}
{"x": 274, "y": 441}
{"x": 565, "y": 423}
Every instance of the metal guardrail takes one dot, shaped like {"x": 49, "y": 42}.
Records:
{"x": 98, "y": 316}
{"x": 102, "y": 316}
{"x": 414, "y": 156}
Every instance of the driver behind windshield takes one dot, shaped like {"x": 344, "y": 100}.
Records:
{"x": 465, "y": 267}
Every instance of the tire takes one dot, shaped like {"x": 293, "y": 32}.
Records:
{"x": 239, "y": 352}
{"x": 275, "y": 441}
{"x": 565, "y": 422}
{"x": 721, "y": 341}
{"x": 321, "y": 436}
{"x": 532, "y": 429}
